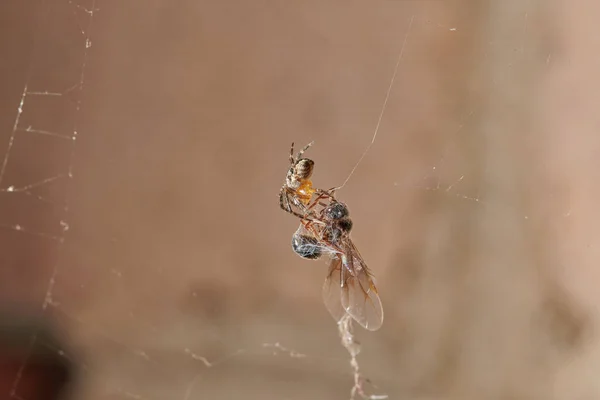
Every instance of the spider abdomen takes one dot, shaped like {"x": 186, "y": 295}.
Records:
{"x": 304, "y": 168}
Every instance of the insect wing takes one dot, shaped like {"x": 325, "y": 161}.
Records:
{"x": 359, "y": 294}
{"x": 349, "y": 289}
{"x": 332, "y": 287}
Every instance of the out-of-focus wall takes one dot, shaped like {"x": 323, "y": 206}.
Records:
{"x": 167, "y": 261}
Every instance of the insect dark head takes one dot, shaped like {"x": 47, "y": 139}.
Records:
{"x": 336, "y": 210}
{"x": 344, "y": 224}
{"x": 306, "y": 246}
{"x": 304, "y": 168}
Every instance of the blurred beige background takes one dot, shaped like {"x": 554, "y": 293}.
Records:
{"x": 475, "y": 206}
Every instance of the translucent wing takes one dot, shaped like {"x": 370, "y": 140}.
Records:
{"x": 349, "y": 288}
{"x": 332, "y": 289}
{"x": 360, "y": 299}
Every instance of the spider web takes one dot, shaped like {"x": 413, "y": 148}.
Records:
{"x": 37, "y": 219}
{"x": 152, "y": 300}
{"x": 35, "y": 210}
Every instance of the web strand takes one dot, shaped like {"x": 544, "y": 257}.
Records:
{"x": 17, "y": 131}
{"x": 385, "y": 101}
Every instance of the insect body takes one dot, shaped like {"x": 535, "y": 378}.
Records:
{"x": 338, "y": 222}
{"x": 349, "y": 287}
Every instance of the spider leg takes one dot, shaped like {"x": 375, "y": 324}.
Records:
{"x": 331, "y": 192}
{"x": 292, "y": 161}
{"x": 321, "y": 194}
{"x": 309, "y": 226}
{"x": 286, "y": 205}
{"x": 301, "y": 152}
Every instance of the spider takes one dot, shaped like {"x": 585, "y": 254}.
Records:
{"x": 297, "y": 191}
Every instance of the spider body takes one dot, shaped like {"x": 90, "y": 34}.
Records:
{"x": 297, "y": 191}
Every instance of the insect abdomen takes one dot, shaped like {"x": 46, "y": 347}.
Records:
{"x": 306, "y": 246}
